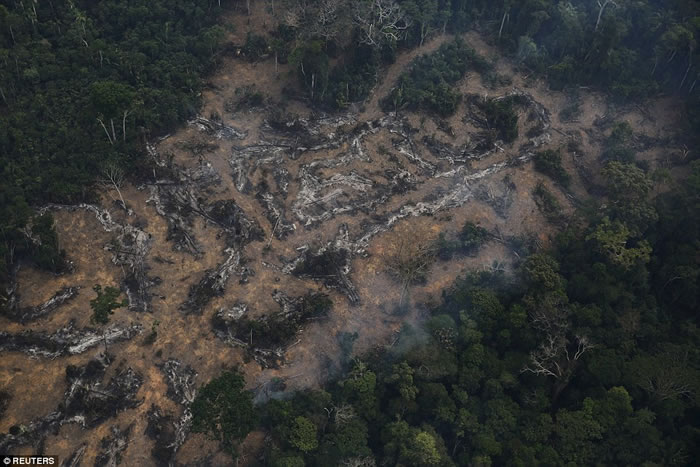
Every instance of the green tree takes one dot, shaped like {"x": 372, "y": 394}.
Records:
{"x": 402, "y": 378}
{"x": 424, "y": 13}
{"x": 629, "y": 188}
{"x": 576, "y": 434}
{"x": 424, "y": 449}
{"x": 541, "y": 273}
{"x": 612, "y": 239}
{"x": 303, "y": 435}
{"x": 223, "y": 410}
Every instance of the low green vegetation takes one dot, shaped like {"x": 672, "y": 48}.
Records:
{"x": 547, "y": 203}
{"x": 256, "y": 47}
{"x": 429, "y": 83}
{"x": 245, "y": 98}
{"x": 499, "y": 117}
{"x": 617, "y": 145}
{"x": 105, "y": 303}
{"x": 468, "y": 241}
{"x": 153, "y": 335}
{"x": 548, "y": 162}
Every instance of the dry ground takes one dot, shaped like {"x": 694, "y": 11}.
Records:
{"x": 37, "y": 385}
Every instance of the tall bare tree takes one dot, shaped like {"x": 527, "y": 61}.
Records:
{"x": 601, "y": 9}
{"x": 113, "y": 179}
{"x": 559, "y": 352}
{"x": 380, "y": 21}
{"x": 326, "y": 19}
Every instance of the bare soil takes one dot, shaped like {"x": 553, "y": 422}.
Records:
{"x": 37, "y": 385}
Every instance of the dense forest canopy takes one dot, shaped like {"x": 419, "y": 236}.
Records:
{"x": 83, "y": 86}
{"x": 587, "y": 355}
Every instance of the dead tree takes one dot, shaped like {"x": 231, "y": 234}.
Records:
{"x": 557, "y": 357}
{"x": 560, "y": 350}
{"x": 668, "y": 375}
{"x": 327, "y": 18}
{"x": 506, "y": 17}
{"x": 126, "y": 114}
{"x": 109, "y": 137}
{"x": 602, "y": 5}
{"x": 114, "y": 179}
{"x": 367, "y": 461}
{"x": 380, "y": 21}
{"x": 321, "y": 18}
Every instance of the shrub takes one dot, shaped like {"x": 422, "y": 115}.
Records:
{"x": 468, "y": 242}
{"x": 472, "y": 237}
{"x": 500, "y": 116}
{"x": 549, "y": 163}
{"x": 547, "y": 203}
{"x": 429, "y": 83}
{"x": 617, "y": 145}
{"x": 255, "y": 47}
{"x": 105, "y": 303}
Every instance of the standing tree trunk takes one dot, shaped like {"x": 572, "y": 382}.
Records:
{"x": 106, "y": 132}
{"x": 126, "y": 112}
{"x": 114, "y": 133}
{"x": 313, "y": 85}
{"x": 602, "y": 9}
{"x": 503, "y": 22}
{"x": 687, "y": 70}
{"x": 114, "y": 177}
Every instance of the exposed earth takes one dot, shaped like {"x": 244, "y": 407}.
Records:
{"x": 242, "y": 202}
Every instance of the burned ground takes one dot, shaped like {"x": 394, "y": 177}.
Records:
{"x": 251, "y": 222}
